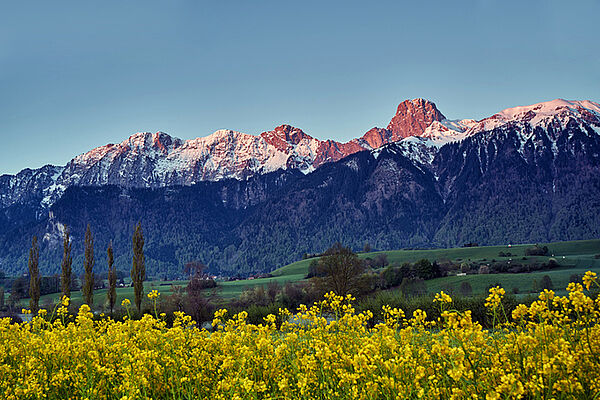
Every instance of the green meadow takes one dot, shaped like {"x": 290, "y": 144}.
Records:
{"x": 574, "y": 257}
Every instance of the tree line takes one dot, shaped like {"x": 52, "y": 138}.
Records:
{"x": 138, "y": 270}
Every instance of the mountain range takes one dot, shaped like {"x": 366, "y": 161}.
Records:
{"x": 244, "y": 203}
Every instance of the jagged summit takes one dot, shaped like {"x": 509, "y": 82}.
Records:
{"x": 417, "y": 118}
{"x": 158, "y": 159}
{"x": 285, "y": 133}
{"x": 412, "y": 117}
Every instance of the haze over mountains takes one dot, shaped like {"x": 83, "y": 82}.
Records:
{"x": 245, "y": 203}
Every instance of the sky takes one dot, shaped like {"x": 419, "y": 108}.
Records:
{"x": 75, "y": 75}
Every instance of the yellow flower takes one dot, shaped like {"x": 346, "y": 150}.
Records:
{"x": 495, "y": 297}
{"x": 443, "y": 298}
{"x": 153, "y": 294}
{"x": 589, "y": 278}
{"x": 126, "y": 303}
{"x": 327, "y": 350}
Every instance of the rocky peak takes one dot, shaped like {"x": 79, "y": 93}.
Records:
{"x": 284, "y": 136}
{"x": 412, "y": 118}
{"x": 375, "y": 138}
{"x": 165, "y": 142}
{"x": 144, "y": 140}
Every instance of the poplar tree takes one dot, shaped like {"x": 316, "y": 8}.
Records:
{"x": 111, "y": 295}
{"x": 138, "y": 267}
{"x": 67, "y": 261}
{"x": 88, "y": 266}
{"x": 34, "y": 276}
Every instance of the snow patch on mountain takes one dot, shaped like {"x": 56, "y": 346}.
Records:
{"x": 352, "y": 164}
{"x": 447, "y": 131}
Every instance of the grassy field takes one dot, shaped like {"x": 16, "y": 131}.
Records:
{"x": 524, "y": 283}
{"x": 576, "y": 257}
{"x": 232, "y": 289}
{"x": 164, "y": 287}
{"x": 575, "y": 253}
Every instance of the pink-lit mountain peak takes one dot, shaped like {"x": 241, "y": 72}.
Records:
{"x": 420, "y": 118}
{"x": 227, "y": 153}
{"x": 274, "y": 148}
{"x": 284, "y": 136}
{"x": 157, "y": 159}
{"x": 413, "y": 117}
{"x": 550, "y": 108}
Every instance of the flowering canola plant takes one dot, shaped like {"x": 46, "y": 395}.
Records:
{"x": 548, "y": 350}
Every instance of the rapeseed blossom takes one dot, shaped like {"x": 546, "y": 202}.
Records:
{"x": 549, "y": 349}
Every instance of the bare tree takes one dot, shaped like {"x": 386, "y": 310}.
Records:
{"x": 339, "y": 270}
{"x": 194, "y": 269}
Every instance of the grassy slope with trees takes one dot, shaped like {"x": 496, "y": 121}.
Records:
{"x": 579, "y": 253}
{"x": 574, "y": 257}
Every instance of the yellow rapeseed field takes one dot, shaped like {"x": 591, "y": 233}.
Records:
{"x": 550, "y": 349}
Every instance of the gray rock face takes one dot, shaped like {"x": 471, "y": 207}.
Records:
{"x": 28, "y": 186}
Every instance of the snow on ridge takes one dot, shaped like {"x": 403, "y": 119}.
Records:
{"x": 550, "y": 108}
{"x": 551, "y": 116}
{"x": 420, "y": 150}
{"x": 540, "y": 114}
{"x": 228, "y": 153}
{"x": 148, "y": 159}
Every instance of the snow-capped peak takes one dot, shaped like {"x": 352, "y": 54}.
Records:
{"x": 542, "y": 114}
{"x": 157, "y": 159}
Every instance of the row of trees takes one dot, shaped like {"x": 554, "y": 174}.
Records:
{"x": 138, "y": 270}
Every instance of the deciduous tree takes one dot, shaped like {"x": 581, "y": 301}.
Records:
{"x": 465, "y": 289}
{"x": 546, "y": 283}
{"x": 339, "y": 270}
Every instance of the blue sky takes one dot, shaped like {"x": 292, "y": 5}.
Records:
{"x": 76, "y": 75}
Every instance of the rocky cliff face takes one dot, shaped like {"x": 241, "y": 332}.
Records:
{"x": 412, "y": 117}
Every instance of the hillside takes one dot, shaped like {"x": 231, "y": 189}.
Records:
{"x": 577, "y": 253}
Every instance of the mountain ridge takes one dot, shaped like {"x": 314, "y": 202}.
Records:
{"x": 157, "y": 159}
{"x": 531, "y": 175}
